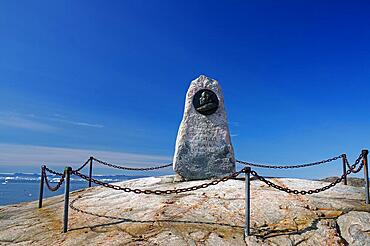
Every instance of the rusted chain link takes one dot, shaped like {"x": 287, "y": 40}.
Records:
{"x": 159, "y": 192}
{"x": 81, "y": 167}
{"x": 131, "y": 168}
{"x": 60, "y": 174}
{"x": 289, "y": 166}
{"x": 353, "y": 167}
{"x": 53, "y": 172}
{"x": 304, "y": 192}
{"x": 57, "y": 186}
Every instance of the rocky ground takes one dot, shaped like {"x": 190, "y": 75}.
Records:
{"x": 211, "y": 216}
{"x": 357, "y": 182}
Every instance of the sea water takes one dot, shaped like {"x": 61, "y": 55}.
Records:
{"x": 24, "y": 187}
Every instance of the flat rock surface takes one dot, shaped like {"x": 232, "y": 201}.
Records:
{"x": 210, "y": 216}
{"x": 355, "y": 227}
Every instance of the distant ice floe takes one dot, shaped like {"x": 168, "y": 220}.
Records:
{"x": 6, "y": 178}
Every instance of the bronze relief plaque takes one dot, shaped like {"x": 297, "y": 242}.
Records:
{"x": 205, "y": 102}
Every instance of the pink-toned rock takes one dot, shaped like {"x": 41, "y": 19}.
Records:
{"x": 211, "y": 216}
{"x": 355, "y": 228}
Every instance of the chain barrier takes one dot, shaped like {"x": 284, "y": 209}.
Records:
{"x": 159, "y": 192}
{"x": 356, "y": 167}
{"x": 81, "y": 167}
{"x": 290, "y": 166}
{"x": 59, "y": 183}
{"x": 353, "y": 167}
{"x": 61, "y": 174}
{"x": 304, "y": 192}
{"x": 131, "y": 168}
{"x": 53, "y": 172}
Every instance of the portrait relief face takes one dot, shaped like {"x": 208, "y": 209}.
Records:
{"x": 205, "y": 102}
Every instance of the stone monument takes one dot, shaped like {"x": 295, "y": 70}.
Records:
{"x": 203, "y": 145}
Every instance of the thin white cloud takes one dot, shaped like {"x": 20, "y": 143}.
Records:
{"x": 31, "y": 155}
{"x": 23, "y": 123}
{"x": 40, "y": 123}
{"x": 83, "y": 124}
{"x": 234, "y": 135}
{"x": 63, "y": 119}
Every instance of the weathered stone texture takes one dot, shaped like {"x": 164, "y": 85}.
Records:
{"x": 355, "y": 228}
{"x": 203, "y": 145}
{"x": 211, "y": 216}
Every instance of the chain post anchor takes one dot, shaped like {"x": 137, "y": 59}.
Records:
{"x": 90, "y": 172}
{"x": 67, "y": 172}
{"x": 42, "y": 179}
{"x": 365, "y": 153}
{"x": 247, "y": 172}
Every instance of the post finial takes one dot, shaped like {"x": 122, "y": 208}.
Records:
{"x": 68, "y": 169}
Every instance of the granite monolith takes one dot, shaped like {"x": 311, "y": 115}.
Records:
{"x": 203, "y": 145}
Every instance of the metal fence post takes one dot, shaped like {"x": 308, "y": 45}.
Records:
{"x": 247, "y": 202}
{"x": 365, "y": 152}
{"x": 67, "y": 172}
{"x": 41, "y": 195}
{"x": 344, "y": 157}
{"x": 90, "y": 173}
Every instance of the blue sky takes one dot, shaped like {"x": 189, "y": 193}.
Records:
{"x": 98, "y": 76}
